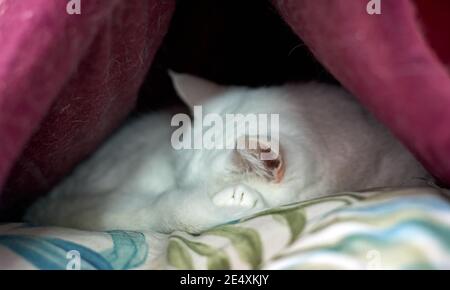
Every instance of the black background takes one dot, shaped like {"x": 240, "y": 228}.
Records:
{"x": 230, "y": 42}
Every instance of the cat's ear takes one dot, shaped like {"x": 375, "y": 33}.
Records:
{"x": 194, "y": 90}
{"x": 259, "y": 157}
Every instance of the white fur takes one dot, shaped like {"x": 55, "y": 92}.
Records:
{"x": 136, "y": 181}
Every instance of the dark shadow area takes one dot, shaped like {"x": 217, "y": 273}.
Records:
{"x": 230, "y": 42}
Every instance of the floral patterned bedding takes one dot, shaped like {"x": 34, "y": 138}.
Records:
{"x": 403, "y": 228}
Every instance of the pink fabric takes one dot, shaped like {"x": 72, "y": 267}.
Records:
{"x": 69, "y": 80}
{"x": 386, "y": 62}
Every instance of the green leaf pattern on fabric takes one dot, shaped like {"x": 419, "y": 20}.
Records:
{"x": 296, "y": 221}
{"x": 217, "y": 258}
{"x": 371, "y": 229}
{"x": 178, "y": 256}
{"x": 246, "y": 241}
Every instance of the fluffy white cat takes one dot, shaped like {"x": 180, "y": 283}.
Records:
{"x": 138, "y": 181}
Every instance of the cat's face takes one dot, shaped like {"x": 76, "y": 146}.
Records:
{"x": 228, "y": 153}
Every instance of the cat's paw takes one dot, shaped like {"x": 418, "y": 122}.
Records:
{"x": 239, "y": 196}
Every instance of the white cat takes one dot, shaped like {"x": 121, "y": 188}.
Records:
{"x": 137, "y": 181}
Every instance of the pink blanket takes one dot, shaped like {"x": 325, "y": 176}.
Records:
{"x": 66, "y": 81}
